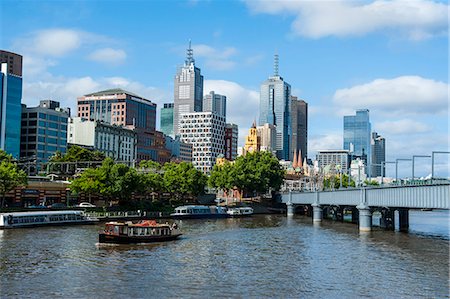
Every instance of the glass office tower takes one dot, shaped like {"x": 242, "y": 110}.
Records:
{"x": 10, "y": 111}
{"x": 166, "y": 121}
{"x": 275, "y": 109}
{"x": 357, "y": 130}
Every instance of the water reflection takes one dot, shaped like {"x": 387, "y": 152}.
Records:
{"x": 260, "y": 256}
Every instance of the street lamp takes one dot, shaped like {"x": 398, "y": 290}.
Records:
{"x": 396, "y": 167}
{"x": 432, "y": 162}
{"x": 413, "y": 157}
{"x": 383, "y": 165}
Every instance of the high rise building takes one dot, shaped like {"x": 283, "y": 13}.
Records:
{"x": 267, "y": 135}
{"x": 299, "y": 125}
{"x": 10, "y": 102}
{"x": 214, "y": 102}
{"x": 357, "y": 130}
{"x": 334, "y": 157}
{"x": 231, "y": 141}
{"x": 43, "y": 132}
{"x": 188, "y": 90}
{"x": 14, "y": 62}
{"x": 206, "y": 132}
{"x": 275, "y": 109}
{"x": 166, "y": 120}
{"x": 378, "y": 148}
{"x": 123, "y": 108}
{"x": 180, "y": 151}
{"x": 115, "y": 141}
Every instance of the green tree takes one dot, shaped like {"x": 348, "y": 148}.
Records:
{"x": 221, "y": 177}
{"x": 182, "y": 179}
{"x": 10, "y": 175}
{"x": 88, "y": 182}
{"x": 76, "y": 156}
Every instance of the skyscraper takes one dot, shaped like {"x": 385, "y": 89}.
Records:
{"x": 166, "y": 121}
{"x": 357, "y": 130}
{"x": 188, "y": 90}
{"x": 44, "y": 131}
{"x": 275, "y": 108}
{"x": 10, "y": 102}
{"x": 214, "y": 102}
{"x": 378, "y": 148}
{"x": 299, "y": 124}
{"x": 231, "y": 141}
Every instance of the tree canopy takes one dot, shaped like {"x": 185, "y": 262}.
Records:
{"x": 253, "y": 173}
{"x": 11, "y": 176}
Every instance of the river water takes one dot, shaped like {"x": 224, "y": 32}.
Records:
{"x": 261, "y": 256}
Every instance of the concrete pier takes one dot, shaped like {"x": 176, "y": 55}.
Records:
{"x": 317, "y": 213}
{"x": 290, "y": 209}
{"x": 365, "y": 218}
{"x": 387, "y": 219}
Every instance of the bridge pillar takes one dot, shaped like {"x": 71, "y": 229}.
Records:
{"x": 317, "y": 212}
{"x": 365, "y": 218}
{"x": 403, "y": 219}
{"x": 290, "y": 209}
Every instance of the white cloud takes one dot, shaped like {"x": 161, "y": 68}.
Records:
{"x": 315, "y": 19}
{"x": 66, "y": 90}
{"x": 242, "y": 103}
{"x": 402, "y": 126}
{"x": 324, "y": 142}
{"x": 108, "y": 56}
{"x": 219, "y": 59}
{"x": 406, "y": 94}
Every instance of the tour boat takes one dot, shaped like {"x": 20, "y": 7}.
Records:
{"x": 43, "y": 218}
{"x": 144, "y": 231}
{"x": 240, "y": 212}
{"x": 195, "y": 212}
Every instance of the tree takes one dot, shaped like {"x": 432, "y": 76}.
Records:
{"x": 88, "y": 182}
{"x": 10, "y": 175}
{"x": 182, "y": 179}
{"x": 79, "y": 156}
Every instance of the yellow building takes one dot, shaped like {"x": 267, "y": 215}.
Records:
{"x": 252, "y": 141}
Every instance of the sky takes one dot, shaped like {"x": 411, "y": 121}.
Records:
{"x": 390, "y": 57}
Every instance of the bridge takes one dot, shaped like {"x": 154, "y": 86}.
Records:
{"x": 363, "y": 202}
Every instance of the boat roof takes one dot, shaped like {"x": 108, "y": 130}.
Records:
{"x": 41, "y": 213}
{"x": 192, "y": 207}
{"x": 145, "y": 223}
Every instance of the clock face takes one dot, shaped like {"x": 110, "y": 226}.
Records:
{"x": 250, "y": 148}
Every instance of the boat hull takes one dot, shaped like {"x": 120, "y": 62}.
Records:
{"x": 199, "y": 216}
{"x": 122, "y": 239}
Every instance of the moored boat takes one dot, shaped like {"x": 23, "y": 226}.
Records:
{"x": 44, "y": 218}
{"x": 240, "y": 211}
{"x": 144, "y": 231}
{"x": 196, "y": 212}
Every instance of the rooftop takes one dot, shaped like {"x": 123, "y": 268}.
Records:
{"x": 112, "y": 92}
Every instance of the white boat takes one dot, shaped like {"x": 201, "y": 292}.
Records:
{"x": 241, "y": 211}
{"x": 44, "y": 218}
{"x": 195, "y": 212}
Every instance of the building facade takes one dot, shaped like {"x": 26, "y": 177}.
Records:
{"x": 43, "y": 132}
{"x": 214, "y": 102}
{"x": 252, "y": 141}
{"x": 117, "y": 142}
{"x": 357, "y": 135}
{"x": 180, "y": 151}
{"x": 339, "y": 158}
{"x": 206, "y": 132}
{"x": 275, "y": 109}
{"x": 188, "y": 90}
{"x": 123, "y": 108}
{"x": 268, "y": 137}
{"x": 378, "y": 148}
{"x": 299, "y": 124}
{"x": 166, "y": 120}
{"x": 231, "y": 141}
{"x": 10, "y": 103}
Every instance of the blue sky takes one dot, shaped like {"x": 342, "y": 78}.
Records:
{"x": 388, "y": 56}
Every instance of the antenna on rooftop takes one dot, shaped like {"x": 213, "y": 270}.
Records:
{"x": 189, "y": 54}
{"x": 275, "y": 65}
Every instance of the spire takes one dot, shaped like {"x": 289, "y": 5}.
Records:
{"x": 254, "y": 124}
{"x": 275, "y": 65}
{"x": 294, "y": 161}
{"x": 299, "y": 162}
{"x": 189, "y": 55}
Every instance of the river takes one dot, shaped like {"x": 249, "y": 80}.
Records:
{"x": 261, "y": 256}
